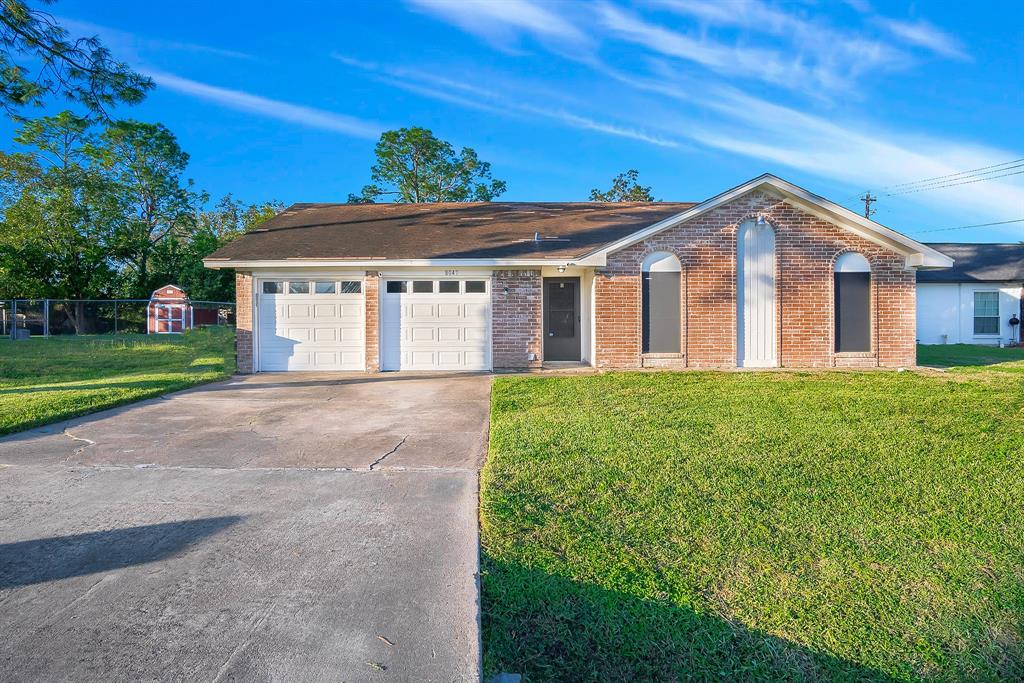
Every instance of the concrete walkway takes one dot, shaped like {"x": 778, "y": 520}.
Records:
{"x": 298, "y": 527}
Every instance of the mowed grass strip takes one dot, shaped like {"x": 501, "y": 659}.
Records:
{"x": 755, "y": 526}
{"x": 47, "y": 380}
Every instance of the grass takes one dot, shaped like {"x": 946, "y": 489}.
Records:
{"x": 971, "y": 356}
{"x": 756, "y": 526}
{"x": 47, "y": 380}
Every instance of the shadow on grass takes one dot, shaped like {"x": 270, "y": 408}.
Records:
{"x": 48, "y": 559}
{"x": 549, "y": 628}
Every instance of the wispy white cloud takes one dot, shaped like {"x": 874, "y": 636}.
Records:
{"x": 269, "y": 108}
{"x": 484, "y": 99}
{"x": 808, "y": 54}
{"x": 501, "y": 22}
{"x": 133, "y": 42}
{"x": 926, "y": 35}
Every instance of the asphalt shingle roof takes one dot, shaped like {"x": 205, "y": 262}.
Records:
{"x": 446, "y": 230}
{"x": 978, "y": 263}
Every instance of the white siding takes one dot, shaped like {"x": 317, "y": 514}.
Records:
{"x": 755, "y": 297}
{"x": 945, "y": 312}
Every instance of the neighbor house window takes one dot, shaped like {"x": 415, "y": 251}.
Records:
{"x": 852, "y": 303}
{"x": 273, "y": 287}
{"x": 661, "y": 303}
{"x": 986, "y": 313}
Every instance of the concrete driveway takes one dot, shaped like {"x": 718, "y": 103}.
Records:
{"x": 299, "y": 527}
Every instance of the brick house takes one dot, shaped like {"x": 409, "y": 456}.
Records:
{"x": 766, "y": 274}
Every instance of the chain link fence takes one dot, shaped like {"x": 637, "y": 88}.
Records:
{"x": 51, "y": 317}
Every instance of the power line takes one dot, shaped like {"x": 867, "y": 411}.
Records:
{"x": 943, "y": 183}
{"x": 954, "y": 175}
{"x": 964, "y": 227}
{"x": 965, "y": 182}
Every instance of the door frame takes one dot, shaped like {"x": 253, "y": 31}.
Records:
{"x": 578, "y": 309}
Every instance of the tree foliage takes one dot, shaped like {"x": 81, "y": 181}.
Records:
{"x": 625, "y": 188}
{"x": 40, "y": 60}
{"x": 108, "y": 213}
{"x": 415, "y": 166}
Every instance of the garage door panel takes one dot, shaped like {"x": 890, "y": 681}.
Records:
{"x": 310, "y": 332}
{"x": 435, "y": 331}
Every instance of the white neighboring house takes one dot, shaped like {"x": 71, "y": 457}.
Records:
{"x": 972, "y": 302}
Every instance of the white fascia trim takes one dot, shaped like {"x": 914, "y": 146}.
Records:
{"x": 377, "y": 264}
{"x": 917, "y": 254}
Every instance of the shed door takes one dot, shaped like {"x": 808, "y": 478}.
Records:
{"x": 310, "y": 325}
{"x": 429, "y": 324}
{"x": 755, "y": 296}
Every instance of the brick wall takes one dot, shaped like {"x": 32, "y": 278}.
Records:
{"x": 371, "y": 289}
{"x": 243, "y": 322}
{"x": 516, "y": 324}
{"x": 805, "y": 247}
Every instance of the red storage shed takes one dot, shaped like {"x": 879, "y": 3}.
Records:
{"x": 169, "y": 311}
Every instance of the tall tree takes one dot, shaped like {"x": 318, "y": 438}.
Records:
{"x": 415, "y": 166}
{"x": 625, "y": 188}
{"x": 39, "y": 60}
{"x": 55, "y": 233}
{"x": 180, "y": 259}
{"x": 145, "y": 164}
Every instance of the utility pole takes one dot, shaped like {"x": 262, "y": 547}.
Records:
{"x": 868, "y": 201}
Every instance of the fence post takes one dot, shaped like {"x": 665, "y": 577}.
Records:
{"x": 115, "y": 316}
{"x": 14, "y": 318}
{"x": 46, "y": 318}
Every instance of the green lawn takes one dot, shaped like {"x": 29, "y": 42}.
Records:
{"x": 971, "y": 356}
{"x": 756, "y": 526}
{"x": 46, "y": 380}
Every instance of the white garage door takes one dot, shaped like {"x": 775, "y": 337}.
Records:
{"x": 310, "y": 325}
{"x": 436, "y": 324}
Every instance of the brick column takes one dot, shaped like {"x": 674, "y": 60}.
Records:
{"x": 243, "y": 322}
{"x": 897, "y": 315}
{"x": 617, "y": 323}
{"x": 371, "y": 294}
{"x": 516, "y": 325}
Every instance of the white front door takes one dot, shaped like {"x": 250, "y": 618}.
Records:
{"x": 431, "y": 324}
{"x": 310, "y": 324}
{"x": 755, "y": 296}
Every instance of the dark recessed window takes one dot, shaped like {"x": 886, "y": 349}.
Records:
{"x": 448, "y": 286}
{"x": 351, "y": 287}
{"x": 475, "y": 286}
{"x": 298, "y": 287}
{"x": 323, "y": 287}
{"x": 274, "y": 287}
{"x": 423, "y": 287}
{"x": 396, "y": 287}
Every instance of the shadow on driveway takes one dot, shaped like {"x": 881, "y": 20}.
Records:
{"x": 47, "y": 559}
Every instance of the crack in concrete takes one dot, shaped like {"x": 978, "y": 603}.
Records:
{"x": 391, "y": 452}
{"x": 87, "y": 442}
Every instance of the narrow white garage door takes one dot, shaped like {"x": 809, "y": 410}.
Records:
{"x": 310, "y": 325}
{"x": 436, "y": 325}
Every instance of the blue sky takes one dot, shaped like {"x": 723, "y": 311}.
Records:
{"x": 285, "y": 101}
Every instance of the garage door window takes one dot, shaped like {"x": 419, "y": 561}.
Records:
{"x": 476, "y": 286}
{"x": 423, "y": 287}
{"x": 298, "y": 288}
{"x": 324, "y": 287}
{"x": 351, "y": 287}
{"x": 448, "y": 286}
{"x": 273, "y": 287}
